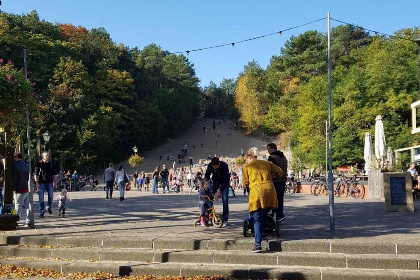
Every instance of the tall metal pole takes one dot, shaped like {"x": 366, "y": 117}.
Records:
{"x": 326, "y": 149}
{"x": 28, "y": 137}
{"x": 417, "y": 40}
{"x": 330, "y": 173}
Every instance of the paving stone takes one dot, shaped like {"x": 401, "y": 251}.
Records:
{"x": 382, "y": 261}
{"x": 360, "y": 247}
{"x": 87, "y": 242}
{"x": 312, "y": 259}
{"x": 75, "y": 253}
{"x": 29, "y": 252}
{"x": 233, "y": 271}
{"x": 303, "y": 246}
{"x": 161, "y": 269}
{"x": 185, "y": 244}
{"x": 88, "y": 267}
{"x": 408, "y": 248}
{"x": 241, "y": 257}
{"x": 38, "y": 240}
{"x": 127, "y": 243}
{"x": 359, "y": 274}
{"x": 295, "y": 273}
{"x": 407, "y": 275}
{"x": 126, "y": 255}
{"x": 231, "y": 244}
{"x": 201, "y": 256}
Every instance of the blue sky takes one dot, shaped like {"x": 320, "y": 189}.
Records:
{"x": 180, "y": 25}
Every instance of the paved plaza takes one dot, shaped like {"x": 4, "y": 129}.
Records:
{"x": 172, "y": 215}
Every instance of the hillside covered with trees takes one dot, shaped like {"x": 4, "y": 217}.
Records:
{"x": 96, "y": 98}
{"x": 371, "y": 75}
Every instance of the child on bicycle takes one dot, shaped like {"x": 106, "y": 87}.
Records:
{"x": 206, "y": 200}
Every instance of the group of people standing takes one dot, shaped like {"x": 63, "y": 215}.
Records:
{"x": 266, "y": 180}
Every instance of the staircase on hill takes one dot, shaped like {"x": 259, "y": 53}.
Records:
{"x": 308, "y": 259}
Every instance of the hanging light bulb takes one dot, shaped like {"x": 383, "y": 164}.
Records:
{"x": 233, "y": 44}
{"x": 280, "y": 32}
{"x": 188, "y": 52}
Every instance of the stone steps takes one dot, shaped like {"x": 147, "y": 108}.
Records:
{"x": 297, "y": 259}
{"x": 228, "y": 270}
{"x": 337, "y": 260}
{"x": 313, "y": 245}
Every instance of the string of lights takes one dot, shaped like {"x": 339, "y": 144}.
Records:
{"x": 249, "y": 39}
{"x": 370, "y": 30}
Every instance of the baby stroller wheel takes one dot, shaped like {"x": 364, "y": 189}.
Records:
{"x": 217, "y": 220}
{"x": 246, "y": 228}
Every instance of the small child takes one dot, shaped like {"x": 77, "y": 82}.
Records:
{"x": 62, "y": 200}
{"x": 205, "y": 202}
{"x": 139, "y": 183}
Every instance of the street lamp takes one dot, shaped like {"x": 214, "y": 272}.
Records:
{"x": 417, "y": 40}
{"x": 135, "y": 149}
{"x": 46, "y": 137}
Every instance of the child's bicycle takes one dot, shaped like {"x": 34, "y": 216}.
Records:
{"x": 211, "y": 218}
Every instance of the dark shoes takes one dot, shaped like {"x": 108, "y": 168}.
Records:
{"x": 49, "y": 211}
{"x": 121, "y": 198}
{"x": 41, "y": 216}
{"x": 257, "y": 249}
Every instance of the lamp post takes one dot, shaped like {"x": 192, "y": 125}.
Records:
{"x": 46, "y": 137}
{"x": 135, "y": 149}
{"x": 417, "y": 40}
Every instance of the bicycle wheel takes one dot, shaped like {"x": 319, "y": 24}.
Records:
{"x": 358, "y": 190}
{"x": 217, "y": 220}
{"x": 324, "y": 188}
{"x": 315, "y": 188}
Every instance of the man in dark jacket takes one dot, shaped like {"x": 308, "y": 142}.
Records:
{"x": 221, "y": 178}
{"x": 20, "y": 179}
{"x": 278, "y": 158}
{"x": 45, "y": 178}
{"x": 165, "y": 175}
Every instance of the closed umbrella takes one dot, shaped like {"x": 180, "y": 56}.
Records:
{"x": 368, "y": 152}
{"x": 380, "y": 144}
{"x": 390, "y": 158}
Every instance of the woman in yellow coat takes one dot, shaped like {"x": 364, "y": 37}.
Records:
{"x": 258, "y": 175}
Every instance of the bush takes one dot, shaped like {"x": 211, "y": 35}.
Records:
{"x": 240, "y": 161}
{"x": 135, "y": 160}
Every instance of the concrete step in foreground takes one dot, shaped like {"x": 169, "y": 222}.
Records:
{"x": 228, "y": 270}
{"x": 337, "y": 260}
{"x": 313, "y": 245}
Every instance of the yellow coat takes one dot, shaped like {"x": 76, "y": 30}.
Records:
{"x": 258, "y": 175}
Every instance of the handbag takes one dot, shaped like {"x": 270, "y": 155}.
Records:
{"x": 128, "y": 187}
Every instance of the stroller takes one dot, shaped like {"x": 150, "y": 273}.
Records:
{"x": 270, "y": 226}
{"x": 196, "y": 184}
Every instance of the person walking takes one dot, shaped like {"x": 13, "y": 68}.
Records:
{"x": 45, "y": 180}
{"x": 121, "y": 179}
{"x": 155, "y": 177}
{"x": 221, "y": 178}
{"x": 258, "y": 175}
{"x": 109, "y": 176}
{"x": 278, "y": 158}
{"x": 191, "y": 163}
{"x": 189, "y": 179}
{"x": 165, "y": 177}
{"x": 20, "y": 178}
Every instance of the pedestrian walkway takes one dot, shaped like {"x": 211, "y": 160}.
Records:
{"x": 173, "y": 215}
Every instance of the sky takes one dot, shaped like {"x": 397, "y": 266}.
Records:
{"x": 181, "y": 25}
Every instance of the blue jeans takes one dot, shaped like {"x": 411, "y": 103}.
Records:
{"x": 206, "y": 205}
{"x": 155, "y": 185}
{"x": 225, "y": 200}
{"x": 22, "y": 199}
{"x": 260, "y": 218}
{"x": 47, "y": 187}
{"x": 109, "y": 187}
{"x": 165, "y": 183}
{"x": 279, "y": 186}
{"x": 121, "y": 188}
{"x": 1, "y": 200}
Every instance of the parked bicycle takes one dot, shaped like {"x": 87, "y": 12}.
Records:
{"x": 319, "y": 186}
